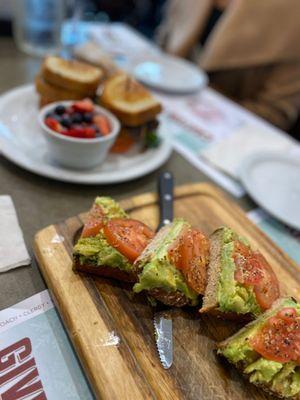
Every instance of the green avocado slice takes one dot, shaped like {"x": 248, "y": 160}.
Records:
{"x": 159, "y": 272}
{"x": 282, "y": 378}
{"x": 233, "y": 296}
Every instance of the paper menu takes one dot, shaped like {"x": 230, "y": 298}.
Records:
{"x": 37, "y": 360}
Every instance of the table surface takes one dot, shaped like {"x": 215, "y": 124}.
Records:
{"x": 40, "y": 201}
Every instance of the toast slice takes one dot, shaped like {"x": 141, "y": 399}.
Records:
{"x": 72, "y": 75}
{"x": 131, "y": 102}
{"x": 50, "y": 93}
{"x": 227, "y": 296}
{"x": 92, "y": 253}
{"x": 278, "y": 378}
{"x": 158, "y": 273}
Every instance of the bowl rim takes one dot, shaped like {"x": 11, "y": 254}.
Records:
{"x": 116, "y": 125}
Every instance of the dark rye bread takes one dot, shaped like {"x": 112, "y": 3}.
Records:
{"x": 176, "y": 299}
{"x": 105, "y": 271}
{"x": 277, "y": 305}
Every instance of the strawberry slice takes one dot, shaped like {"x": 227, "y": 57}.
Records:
{"x": 53, "y": 124}
{"x": 103, "y": 124}
{"x": 90, "y": 132}
{"x": 83, "y": 106}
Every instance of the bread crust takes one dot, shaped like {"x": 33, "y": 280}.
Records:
{"x": 60, "y": 77}
{"x": 210, "y": 299}
{"x": 105, "y": 271}
{"x": 174, "y": 299}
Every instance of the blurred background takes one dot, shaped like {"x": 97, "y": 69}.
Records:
{"x": 250, "y": 50}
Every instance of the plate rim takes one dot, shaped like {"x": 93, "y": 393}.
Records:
{"x": 154, "y": 162}
{"x": 186, "y": 64}
{"x": 244, "y": 174}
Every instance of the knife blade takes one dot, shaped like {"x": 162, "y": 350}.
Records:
{"x": 163, "y": 326}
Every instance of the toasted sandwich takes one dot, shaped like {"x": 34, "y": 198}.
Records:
{"x": 110, "y": 241}
{"x": 240, "y": 282}
{"x": 71, "y": 75}
{"x": 172, "y": 268}
{"x": 267, "y": 350}
{"x": 134, "y": 106}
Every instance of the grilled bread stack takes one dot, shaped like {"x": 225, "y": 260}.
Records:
{"x": 135, "y": 107}
{"x": 61, "y": 79}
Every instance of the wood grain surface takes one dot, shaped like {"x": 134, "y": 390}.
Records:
{"x": 112, "y": 329}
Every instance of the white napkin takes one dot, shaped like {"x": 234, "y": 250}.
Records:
{"x": 13, "y": 252}
{"x": 228, "y": 154}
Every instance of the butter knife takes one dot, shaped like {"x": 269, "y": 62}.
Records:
{"x": 163, "y": 326}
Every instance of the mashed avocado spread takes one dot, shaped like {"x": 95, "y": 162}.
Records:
{"x": 158, "y": 272}
{"x": 96, "y": 250}
{"x": 283, "y": 378}
{"x": 232, "y": 296}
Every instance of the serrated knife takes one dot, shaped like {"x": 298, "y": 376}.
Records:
{"x": 163, "y": 326}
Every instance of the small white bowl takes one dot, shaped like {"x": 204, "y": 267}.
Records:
{"x": 76, "y": 152}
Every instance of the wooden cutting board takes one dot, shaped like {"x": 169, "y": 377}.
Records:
{"x": 112, "y": 330}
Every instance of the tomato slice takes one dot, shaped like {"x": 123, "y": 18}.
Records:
{"x": 195, "y": 253}
{"x": 253, "y": 269}
{"x": 123, "y": 143}
{"x": 279, "y": 339}
{"x": 128, "y": 236}
{"x": 267, "y": 290}
{"x": 94, "y": 222}
{"x": 190, "y": 254}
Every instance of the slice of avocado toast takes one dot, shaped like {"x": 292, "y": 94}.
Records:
{"x": 240, "y": 282}
{"x": 267, "y": 350}
{"x": 172, "y": 268}
{"x": 93, "y": 253}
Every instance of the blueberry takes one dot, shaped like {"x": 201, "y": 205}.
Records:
{"x": 87, "y": 117}
{"x": 76, "y": 118}
{"x": 60, "y": 109}
{"x": 66, "y": 121}
{"x": 49, "y": 115}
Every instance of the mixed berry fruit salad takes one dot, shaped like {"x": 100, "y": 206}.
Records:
{"x": 79, "y": 120}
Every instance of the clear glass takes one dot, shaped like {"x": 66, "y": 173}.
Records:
{"x": 37, "y": 26}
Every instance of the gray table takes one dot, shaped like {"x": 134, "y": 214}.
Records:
{"x": 41, "y": 201}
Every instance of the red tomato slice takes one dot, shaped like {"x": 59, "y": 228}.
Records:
{"x": 279, "y": 338}
{"x": 128, "y": 236}
{"x": 195, "y": 254}
{"x": 267, "y": 290}
{"x": 190, "y": 254}
{"x": 94, "y": 222}
{"x": 253, "y": 269}
{"x": 123, "y": 143}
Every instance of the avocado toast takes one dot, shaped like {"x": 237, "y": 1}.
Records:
{"x": 104, "y": 247}
{"x": 267, "y": 350}
{"x": 240, "y": 282}
{"x": 172, "y": 268}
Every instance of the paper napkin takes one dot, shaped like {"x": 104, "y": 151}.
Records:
{"x": 228, "y": 154}
{"x": 13, "y": 252}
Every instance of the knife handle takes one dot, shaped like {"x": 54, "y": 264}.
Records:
{"x": 165, "y": 190}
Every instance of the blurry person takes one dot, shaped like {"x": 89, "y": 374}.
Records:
{"x": 251, "y": 50}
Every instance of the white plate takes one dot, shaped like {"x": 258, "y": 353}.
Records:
{"x": 273, "y": 181}
{"x": 22, "y": 142}
{"x": 170, "y": 74}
